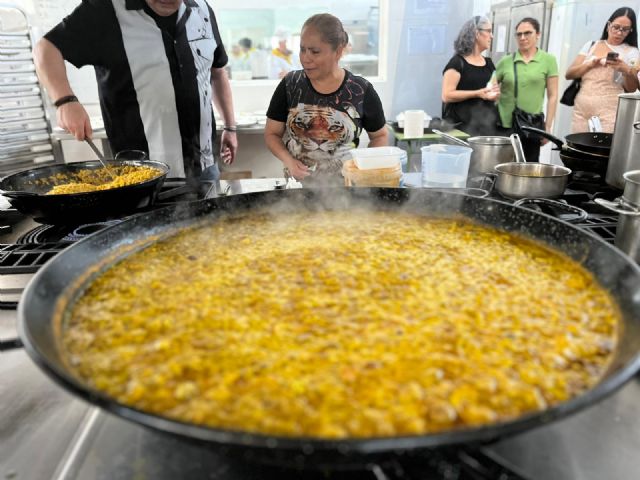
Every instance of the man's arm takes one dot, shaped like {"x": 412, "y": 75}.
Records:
{"x": 223, "y": 101}
{"x": 53, "y": 75}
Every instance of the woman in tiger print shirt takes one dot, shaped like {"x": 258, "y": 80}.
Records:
{"x": 316, "y": 114}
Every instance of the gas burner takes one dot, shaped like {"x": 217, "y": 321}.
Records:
{"x": 87, "y": 229}
{"x": 62, "y": 233}
{"x": 43, "y": 234}
{"x": 589, "y": 182}
{"x": 589, "y": 177}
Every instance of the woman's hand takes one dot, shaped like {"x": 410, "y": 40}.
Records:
{"x": 491, "y": 93}
{"x": 297, "y": 169}
{"x": 543, "y": 140}
{"x": 619, "y": 66}
{"x": 596, "y": 62}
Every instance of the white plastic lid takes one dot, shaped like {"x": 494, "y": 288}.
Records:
{"x": 377, "y": 157}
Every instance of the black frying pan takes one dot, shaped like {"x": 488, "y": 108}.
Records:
{"x": 53, "y": 288}
{"x": 27, "y": 193}
{"x": 586, "y": 144}
{"x": 585, "y": 164}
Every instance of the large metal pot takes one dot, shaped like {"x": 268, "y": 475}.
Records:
{"x": 488, "y": 151}
{"x": 628, "y": 207}
{"x": 50, "y": 292}
{"x": 625, "y": 148}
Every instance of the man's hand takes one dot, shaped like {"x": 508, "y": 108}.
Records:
{"x": 74, "y": 119}
{"x": 228, "y": 146}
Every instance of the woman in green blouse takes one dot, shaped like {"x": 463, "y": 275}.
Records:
{"x": 537, "y": 72}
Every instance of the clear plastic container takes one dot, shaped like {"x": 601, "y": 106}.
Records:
{"x": 377, "y": 157}
{"x": 445, "y": 166}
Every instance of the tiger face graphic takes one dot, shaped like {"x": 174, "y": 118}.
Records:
{"x": 319, "y": 136}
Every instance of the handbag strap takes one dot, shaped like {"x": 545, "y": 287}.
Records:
{"x": 515, "y": 80}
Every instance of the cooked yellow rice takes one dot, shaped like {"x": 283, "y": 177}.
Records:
{"x": 342, "y": 325}
{"x": 91, "y": 180}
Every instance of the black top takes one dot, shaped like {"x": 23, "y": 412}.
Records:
{"x": 476, "y": 116}
{"x": 153, "y": 73}
{"x": 322, "y": 128}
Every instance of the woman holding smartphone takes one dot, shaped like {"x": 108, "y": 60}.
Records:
{"x": 607, "y": 67}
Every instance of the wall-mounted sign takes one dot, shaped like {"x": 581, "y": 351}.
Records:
{"x": 431, "y": 7}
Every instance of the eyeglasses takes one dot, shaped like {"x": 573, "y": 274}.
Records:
{"x": 528, "y": 33}
{"x": 488, "y": 30}
{"x": 619, "y": 28}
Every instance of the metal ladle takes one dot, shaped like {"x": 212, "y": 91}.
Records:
{"x": 100, "y": 156}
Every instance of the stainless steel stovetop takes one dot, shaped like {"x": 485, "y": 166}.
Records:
{"x": 46, "y": 433}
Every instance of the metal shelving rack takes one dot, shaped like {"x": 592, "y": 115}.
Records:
{"x": 25, "y": 132}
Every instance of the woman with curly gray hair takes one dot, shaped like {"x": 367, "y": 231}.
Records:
{"x": 468, "y": 95}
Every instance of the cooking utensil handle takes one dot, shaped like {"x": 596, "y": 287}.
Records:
{"x": 450, "y": 138}
{"x": 491, "y": 179}
{"x": 618, "y": 206}
{"x": 100, "y": 156}
{"x": 95, "y": 149}
{"x": 582, "y": 215}
{"x": 517, "y": 147}
{"x": 558, "y": 142}
{"x": 17, "y": 194}
{"x": 10, "y": 344}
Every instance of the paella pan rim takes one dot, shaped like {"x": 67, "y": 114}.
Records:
{"x": 29, "y": 318}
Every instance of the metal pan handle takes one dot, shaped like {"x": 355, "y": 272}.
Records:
{"x": 636, "y": 127}
{"x": 451, "y": 138}
{"x": 581, "y": 215}
{"x": 517, "y": 148}
{"x": 10, "y": 344}
{"x": 488, "y": 182}
{"x": 558, "y": 142}
{"x": 619, "y": 206}
{"x": 17, "y": 194}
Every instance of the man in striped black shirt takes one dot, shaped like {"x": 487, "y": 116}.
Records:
{"x": 159, "y": 66}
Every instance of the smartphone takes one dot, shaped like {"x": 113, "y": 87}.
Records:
{"x": 612, "y": 55}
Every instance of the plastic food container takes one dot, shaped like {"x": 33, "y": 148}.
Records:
{"x": 445, "y": 166}
{"x": 377, "y": 157}
{"x": 373, "y": 177}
